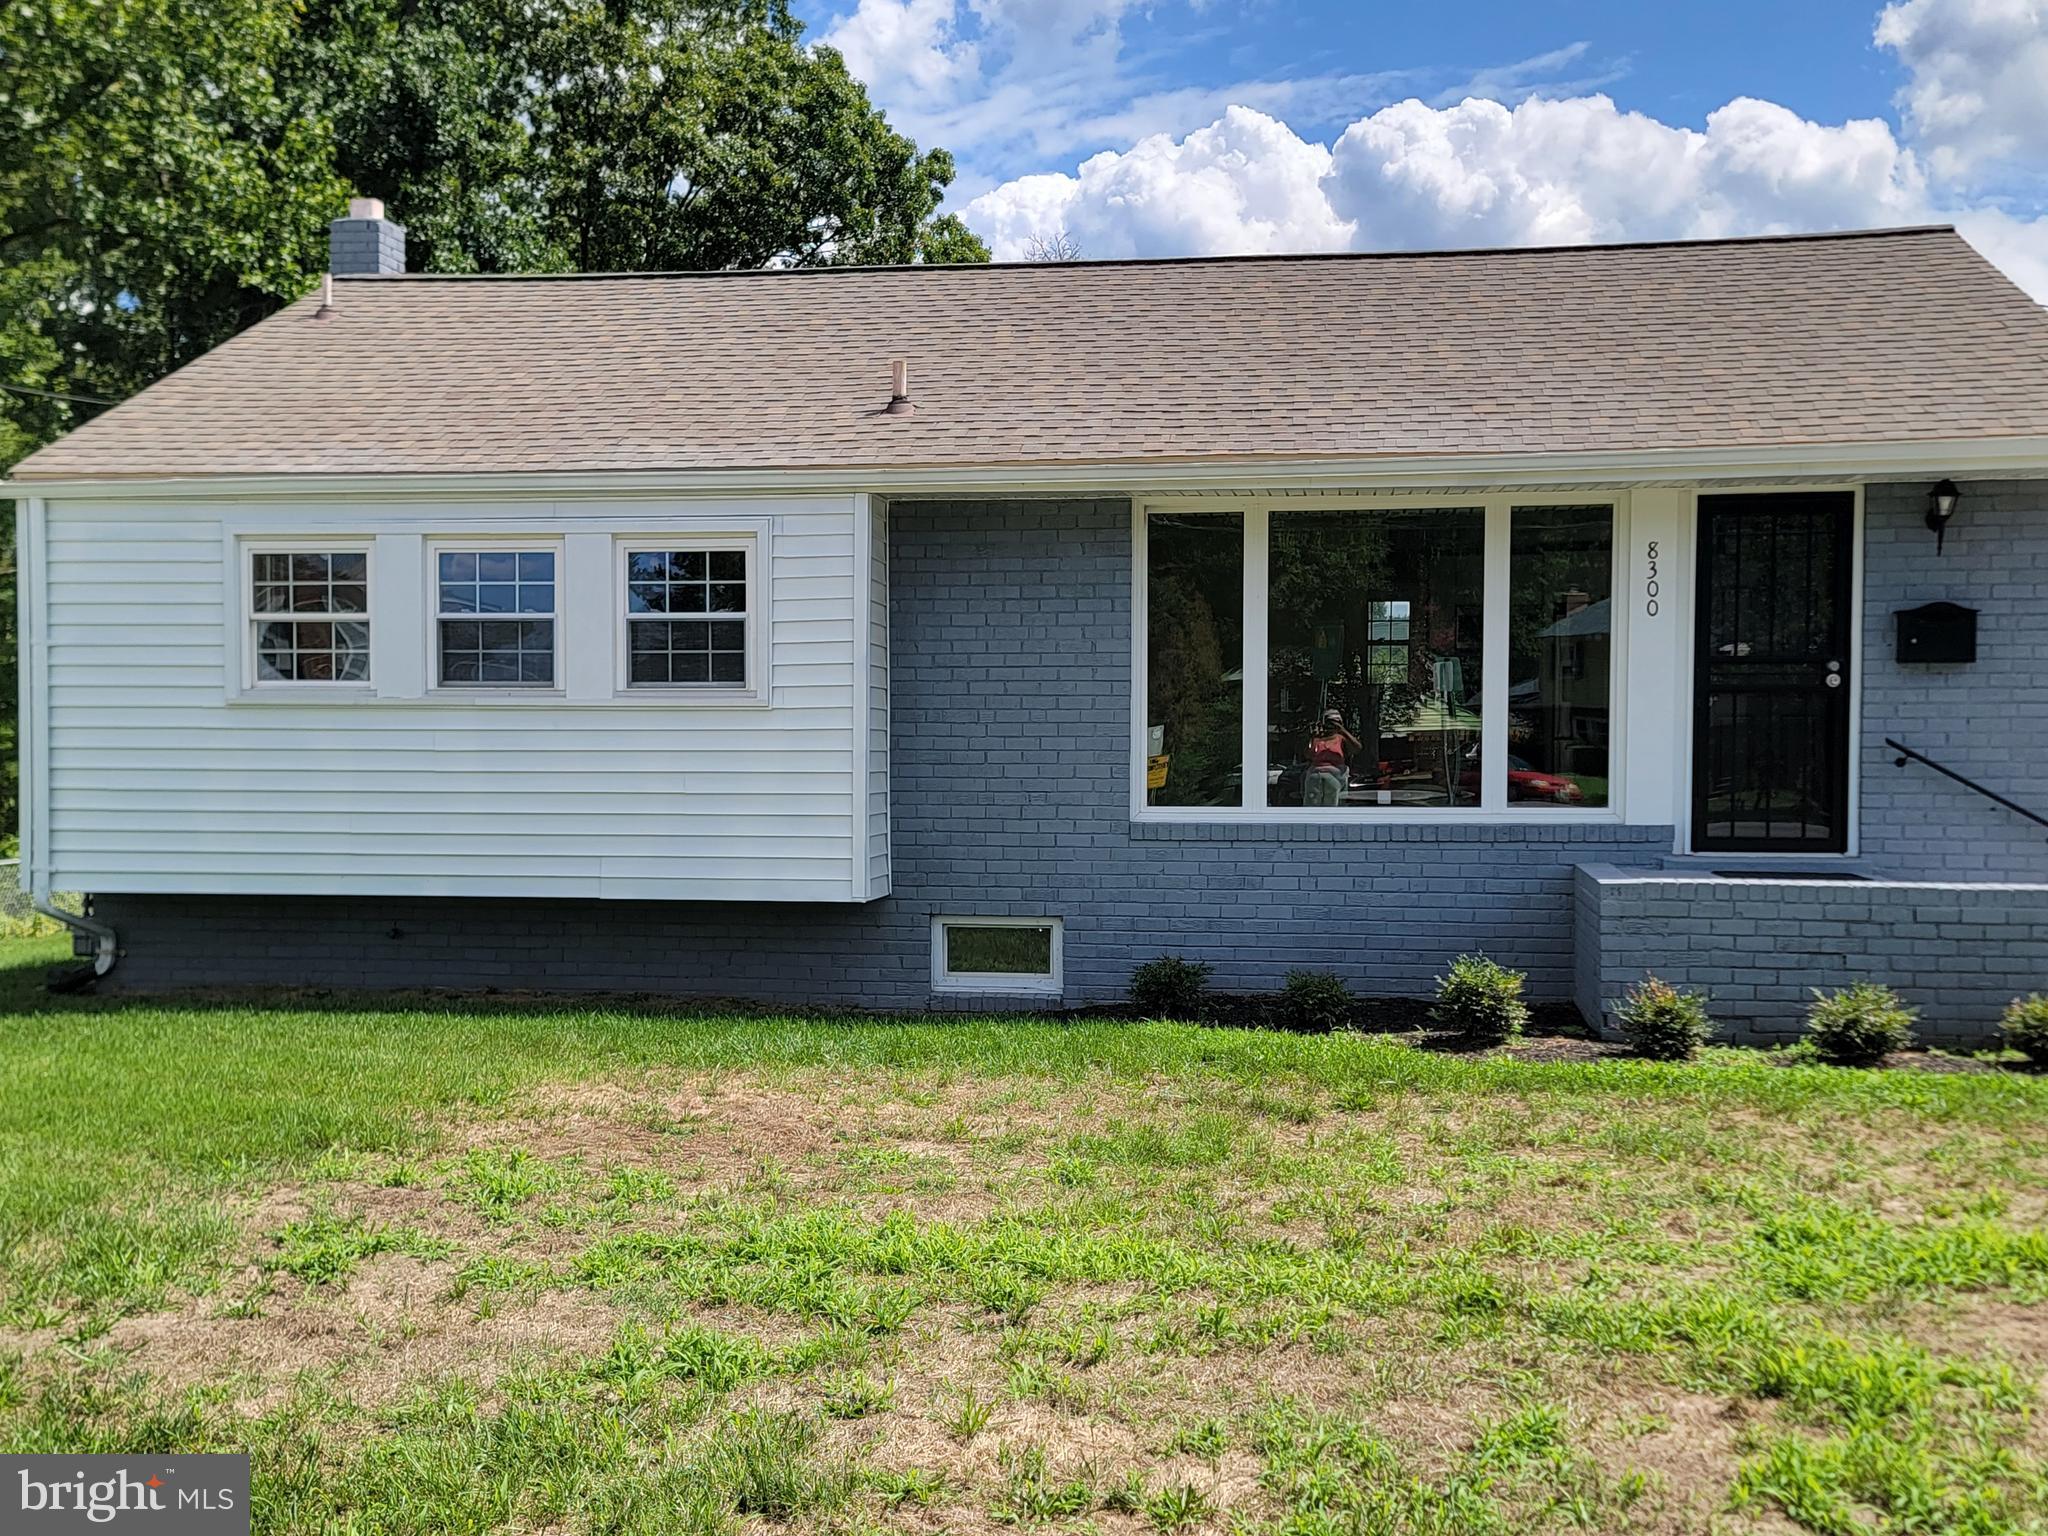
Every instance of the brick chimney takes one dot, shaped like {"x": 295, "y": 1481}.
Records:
{"x": 365, "y": 242}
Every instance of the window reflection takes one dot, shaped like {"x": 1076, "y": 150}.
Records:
{"x": 1560, "y": 645}
{"x": 1194, "y": 664}
{"x": 1376, "y": 627}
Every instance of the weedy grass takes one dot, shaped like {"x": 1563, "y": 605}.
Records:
{"x": 324, "y": 1249}
{"x": 713, "y": 1274}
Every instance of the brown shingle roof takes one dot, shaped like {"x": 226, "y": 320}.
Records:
{"x": 1881, "y": 337}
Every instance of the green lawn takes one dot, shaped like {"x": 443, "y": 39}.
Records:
{"x": 482, "y": 1267}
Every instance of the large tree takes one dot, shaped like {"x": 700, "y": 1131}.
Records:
{"x": 618, "y": 135}
{"x": 168, "y": 167}
{"x": 159, "y": 188}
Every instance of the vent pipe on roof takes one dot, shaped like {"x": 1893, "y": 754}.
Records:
{"x": 365, "y": 244}
{"x": 326, "y": 309}
{"x": 899, "y": 389}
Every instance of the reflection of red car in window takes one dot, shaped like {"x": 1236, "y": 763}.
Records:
{"x": 1525, "y": 782}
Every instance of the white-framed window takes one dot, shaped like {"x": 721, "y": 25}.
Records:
{"x": 307, "y": 614}
{"x": 997, "y": 954}
{"x": 1430, "y": 658}
{"x": 689, "y": 613}
{"x": 496, "y": 614}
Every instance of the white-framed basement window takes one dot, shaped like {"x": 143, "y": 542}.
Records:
{"x": 1410, "y": 658}
{"x": 496, "y": 614}
{"x": 307, "y": 614}
{"x": 690, "y": 614}
{"x": 997, "y": 955}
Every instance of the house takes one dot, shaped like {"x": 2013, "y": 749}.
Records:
{"x": 921, "y": 636}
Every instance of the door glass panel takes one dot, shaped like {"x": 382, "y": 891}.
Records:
{"x": 1376, "y": 625}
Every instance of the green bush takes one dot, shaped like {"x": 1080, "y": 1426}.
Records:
{"x": 1858, "y": 1025}
{"x": 1170, "y": 987}
{"x": 1663, "y": 1023}
{"x": 1481, "y": 999}
{"x": 2025, "y": 1027}
{"x": 1313, "y": 1003}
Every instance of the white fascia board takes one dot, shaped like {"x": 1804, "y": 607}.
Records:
{"x": 1953, "y": 458}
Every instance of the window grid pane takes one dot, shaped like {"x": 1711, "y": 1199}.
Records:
{"x": 501, "y": 651}
{"x": 292, "y": 651}
{"x": 706, "y": 649}
{"x": 496, "y": 581}
{"x": 478, "y": 648}
{"x": 309, "y": 615}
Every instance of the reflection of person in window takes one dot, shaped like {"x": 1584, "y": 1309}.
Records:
{"x": 1329, "y": 761}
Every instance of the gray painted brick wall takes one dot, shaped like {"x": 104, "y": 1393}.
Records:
{"x": 1009, "y": 738}
{"x": 1988, "y": 720}
{"x": 357, "y": 247}
{"x": 1960, "y": 953}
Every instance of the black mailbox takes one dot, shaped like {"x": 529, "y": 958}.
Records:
{"x": 1938, "y": 632}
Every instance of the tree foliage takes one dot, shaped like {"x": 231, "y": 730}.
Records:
{"x": 168, "y": 167}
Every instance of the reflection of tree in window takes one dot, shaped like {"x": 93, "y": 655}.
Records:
{"x": 1368, "y": 616}
{"x": 1194, "y": 659}
{"x": 1559, "y": 654}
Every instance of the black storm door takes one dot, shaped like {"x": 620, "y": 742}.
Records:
{"x": 1771, "y": 684}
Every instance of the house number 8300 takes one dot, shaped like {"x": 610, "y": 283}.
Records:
{"x": 1650, "y": 584}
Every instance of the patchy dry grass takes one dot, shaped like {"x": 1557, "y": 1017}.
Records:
{"x": 459, "y": 1270}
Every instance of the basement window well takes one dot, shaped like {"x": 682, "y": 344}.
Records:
{"x": 996, "y": 954}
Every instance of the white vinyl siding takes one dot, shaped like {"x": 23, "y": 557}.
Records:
{"x": 166, "y": 774}
{"x": 879, "y": 874}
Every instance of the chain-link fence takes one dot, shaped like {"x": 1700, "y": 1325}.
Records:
{"x": 18, "y": 916}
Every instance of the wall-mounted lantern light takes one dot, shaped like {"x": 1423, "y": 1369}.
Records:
{"x": 1941, "y": 506}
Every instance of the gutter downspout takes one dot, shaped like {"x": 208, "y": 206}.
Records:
{"x": 32, "y": 609}
{"x": 106, "y": 944}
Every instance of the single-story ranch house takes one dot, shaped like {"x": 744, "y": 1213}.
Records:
{"x": 954, "y": 636}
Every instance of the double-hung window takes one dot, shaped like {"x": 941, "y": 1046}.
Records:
{"x": 1325, "y": 663}
{"x": 495, "y": 617}
{"x": 688, "y": 615}
{"x": 309, "y": 615}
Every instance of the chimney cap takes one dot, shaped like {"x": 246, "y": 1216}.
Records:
{"x": 366, "y": 207}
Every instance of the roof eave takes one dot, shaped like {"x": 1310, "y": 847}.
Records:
{"x": 1933, "y": 458}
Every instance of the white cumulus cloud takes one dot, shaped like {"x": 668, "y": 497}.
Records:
{"x": 897, "y": 44}
{"x": 1563, "y": 172}
{"x": 1567, "y": 171}
{"x": 1976, "y": 93}
{"x": 1244, "y": 184}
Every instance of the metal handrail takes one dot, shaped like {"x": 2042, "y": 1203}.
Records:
{"x": 1907, "y": 754}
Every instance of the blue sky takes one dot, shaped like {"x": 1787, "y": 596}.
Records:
{"x": 1194, "y": 126}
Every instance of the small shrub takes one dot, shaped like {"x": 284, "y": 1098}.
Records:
{"x": 2025, "y": 1027}
{"x": 1858, "y": 1025}
{"x": 1170, "y": 987}
{"x": 1313, "y": 1003}
{"x": 1663, "y": 1023}
{"x": 1481, "y": 999}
